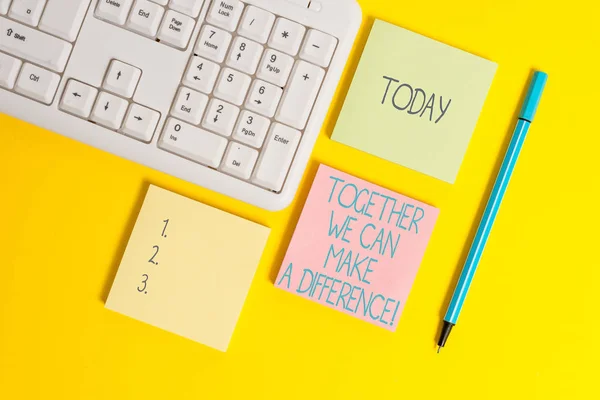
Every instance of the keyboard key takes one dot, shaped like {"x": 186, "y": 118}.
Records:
{"x": 193, "y": 143}
{"x": 239, "y": 160}
{"x": 9, "y": 69}
{"x": 78, "y": 98}
{"x": 27, "y": 11}
{"x": 121, "y": 78}
{"x": 33, "y": 45}
{"x": 188, "y": 7}
{"x": 300, "y": 94}
{"x": 4, "y": 4}
{"x": 256, "y": 24}
{"x": 232, "y": 86}
{"x": 140, "y": 123}
{"x": 63, "y": 18}
{"x": 315, "y": 6}
{"x": 201, "y": 74}
{"x": 244, "y": 55}
{"x": 114, "y": 11}
{"x": 264, "y": 98}
{"x": 176, "y": 29}
{"x": 251, "y": 129}
{"x": 189, "y": 105}
{"x": 225, "y": 14}
{"x": 287, "y": 36}
{"x": 318, "y": 48}
{"x": 275, "y": 67}
{"x": 161, "y": 2}
{"x": 109, "y": 110}
{"x": 145, "y": 17}
{"x": 37, "y": 83}
{"x": 220, "y": 117}
{"x": 276, "y": 157}
{"x": 213, "y": 43}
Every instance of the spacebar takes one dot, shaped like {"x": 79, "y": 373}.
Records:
{"x": 34, "y": 46}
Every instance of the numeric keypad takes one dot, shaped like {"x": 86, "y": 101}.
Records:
{"x": 247, "y": 93}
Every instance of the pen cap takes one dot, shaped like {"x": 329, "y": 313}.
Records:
{"x": 534, "y": 94}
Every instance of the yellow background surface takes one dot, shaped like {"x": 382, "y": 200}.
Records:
{"x": 530, "y": 325}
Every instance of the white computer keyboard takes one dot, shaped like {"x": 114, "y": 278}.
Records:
{"x": 226, "y": 94}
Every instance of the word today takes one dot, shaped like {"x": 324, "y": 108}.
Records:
{"x": 415, "y": 101}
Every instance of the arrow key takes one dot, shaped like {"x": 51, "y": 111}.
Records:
{"x": 78, "y": 98}
{"x": 220, "y": 117}
{"x": 201, "y": 74}
{"x": 121, "y": 78}
{"x": 140, "y": 123}
{"x": 244, "y": 55}
{"x": 109, "y": 110}
{"x": 264, "y": 98}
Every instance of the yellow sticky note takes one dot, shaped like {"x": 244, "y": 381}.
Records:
{"x": 187, "y": 268}
{"x": 414, "y": 101}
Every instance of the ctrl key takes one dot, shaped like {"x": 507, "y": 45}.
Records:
{"x": 37, "y": 83}
{"x": 192, "y": 143}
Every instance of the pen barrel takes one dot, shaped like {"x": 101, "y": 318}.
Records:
{"x": 487, "y": 221}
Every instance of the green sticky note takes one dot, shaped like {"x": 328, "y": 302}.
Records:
{"x": 414, "y": 101}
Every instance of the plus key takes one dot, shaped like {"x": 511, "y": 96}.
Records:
{"x": 300, "y": 95}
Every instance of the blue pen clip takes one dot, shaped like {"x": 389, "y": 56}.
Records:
{"x": 534, "y": 95}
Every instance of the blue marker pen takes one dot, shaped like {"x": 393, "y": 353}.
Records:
{"x": 530, "y": 105}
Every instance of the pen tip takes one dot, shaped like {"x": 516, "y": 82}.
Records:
{"x": 439, "y": 348}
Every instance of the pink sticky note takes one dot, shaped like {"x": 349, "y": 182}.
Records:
{"x": 357, "y": 247}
